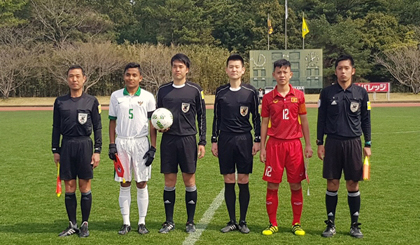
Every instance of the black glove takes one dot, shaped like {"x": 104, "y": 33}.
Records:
{"x": 150, "y": 155}
{"x": 112, "y": 151}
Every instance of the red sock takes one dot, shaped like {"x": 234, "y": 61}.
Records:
{"x": 297, "y": 205}
{"x": 272, "y": 203}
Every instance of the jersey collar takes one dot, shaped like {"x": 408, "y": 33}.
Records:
{"x": 235, "y": 89}
{"x": 276, "y": 93}
{"x": 125, "y": 92}
{"x": 178, "y": 86}
{"x": 349, "y": 88}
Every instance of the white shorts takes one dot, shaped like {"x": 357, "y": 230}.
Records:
{"x": 131, "y": 152}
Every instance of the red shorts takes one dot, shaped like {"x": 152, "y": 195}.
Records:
{"x": 283, "y": 154}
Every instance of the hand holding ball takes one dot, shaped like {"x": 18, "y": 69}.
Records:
{"x": 162, "y": 119}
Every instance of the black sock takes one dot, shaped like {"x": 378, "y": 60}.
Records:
{"x": 243, "y": 199}
{"x": 191, "y": 202}
{"x": 353, "y": 200}
{"x": 86, "y": 205}
{"x": 71, "y": 205}
{"x": 169, "y": 201}
{"x": 230, "y": 199}
{"x": 331, "y": 199}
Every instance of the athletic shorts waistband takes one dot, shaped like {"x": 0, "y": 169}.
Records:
{"x": 338, "y": 137}
{"x": 234, "y": 133}
{"x": 66, "y": 137}
{"x": 282, "y": 140}
{"x": 132, "y": 137}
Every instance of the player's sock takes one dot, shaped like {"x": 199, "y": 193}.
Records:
{"x": 191, "y": 202}
{"x": 331, "y": 198}
{"x": 230, "y": 200}
{"x": 353, "y": 199}
{"x": 243, "y": 200}
{"x": 71, "y": 206}
{"x": 272, "y": 203}
{"x": 86, "y": 205}
{"x": 125, "y": 201}
{"x": 297, "y": 205}
{"x": 142, "y": 203}
{"x": 169, "y": 201}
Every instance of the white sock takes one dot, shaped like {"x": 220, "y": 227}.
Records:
{"x": 125, "y": 201}
{"x": 142, "y": 203}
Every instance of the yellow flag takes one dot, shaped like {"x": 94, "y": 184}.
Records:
{"x": 305, "y": 29}
{"x": 366, "y": 169}
{"x": 270, "y": 27}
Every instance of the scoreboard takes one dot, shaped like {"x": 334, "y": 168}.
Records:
{"x": 307, "y": 65}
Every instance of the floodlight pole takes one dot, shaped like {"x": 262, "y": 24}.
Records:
{"x": 303, "y": 37}
{"x": 268, "y": 34}
{"x": 286, "y": 15}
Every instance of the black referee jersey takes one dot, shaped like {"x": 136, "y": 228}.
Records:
{"x": 186, "y": 103}
{"x": 344, "y": 113}
{"x": 232, "y": 110}
{"x": 75, "y": 117}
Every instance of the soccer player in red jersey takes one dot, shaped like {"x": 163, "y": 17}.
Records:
{"x": 284, "y": 120}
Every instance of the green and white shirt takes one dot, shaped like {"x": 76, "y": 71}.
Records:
{"x": 132, "y": 112}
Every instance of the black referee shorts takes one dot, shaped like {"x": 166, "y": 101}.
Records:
{"x": 343, "y": 155}
{"x": 176, "y": 150}
{"x": 235, "y": 150}
{"x": 76, "y": 157}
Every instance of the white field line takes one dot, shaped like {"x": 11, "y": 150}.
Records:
{"x": 205, "y": 220}
{"x": 401, "y": 132}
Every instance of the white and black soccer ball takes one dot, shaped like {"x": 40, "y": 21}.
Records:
{"x": 162, "y": 118}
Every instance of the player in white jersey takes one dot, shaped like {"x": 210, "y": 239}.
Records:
{"x": 130, "y": 109}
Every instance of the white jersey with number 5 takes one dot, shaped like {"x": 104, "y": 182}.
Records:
{"x": 132, "y": 112}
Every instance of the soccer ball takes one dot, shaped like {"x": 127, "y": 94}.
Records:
{"x": 162, "y": 118}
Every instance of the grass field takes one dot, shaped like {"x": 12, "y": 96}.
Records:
{"x": 104, "y": 100}
{"x": 32, "y": 214}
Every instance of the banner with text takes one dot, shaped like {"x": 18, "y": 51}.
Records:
{"x": 375, "y": 87}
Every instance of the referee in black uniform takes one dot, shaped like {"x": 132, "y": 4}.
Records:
{"x": 76, "y": 115}
{"x": 343, "y": 115}
{"x": 232, "y": 141}
{"x": 178, "y": 145}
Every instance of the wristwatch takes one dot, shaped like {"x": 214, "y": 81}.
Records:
{"x": 319, "y": 142}
{"x": 257, "y": 139}
{"x": 213, "y": 139}
{"x": 368, "y": 144}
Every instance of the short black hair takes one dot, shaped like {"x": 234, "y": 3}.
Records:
{"x": 74, "y": 67}
{"x": 132, "y": 65}
{"x": 344, "y": 57}
{"x": 280, "y": 63}
{"x": 183, "y": 58}
{"x": 235, "y": 57}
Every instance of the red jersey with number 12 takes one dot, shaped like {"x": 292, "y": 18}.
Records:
{"x": 283, "y": 112}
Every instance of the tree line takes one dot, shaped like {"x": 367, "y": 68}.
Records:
{"x": 39, "y": 39}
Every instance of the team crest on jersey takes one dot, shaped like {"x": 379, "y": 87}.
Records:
{"x": 140, "y": 103}
{"x": 185, "y": 107}
{"x": 294, "y": 100}
{"x": 275, "y": 101}
{"x": 243, "y": 110}
{"x": 82, "y": 117}
{"x": 354, "y": 106}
